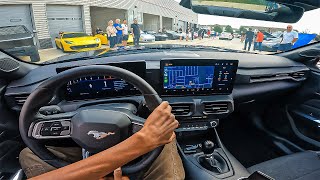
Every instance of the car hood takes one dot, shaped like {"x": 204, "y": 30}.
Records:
{"x": 101, "y": 52}
{"x": 147, "y": 35}
{"x": 15, "y": 37}
{"x": 81, "y": 40}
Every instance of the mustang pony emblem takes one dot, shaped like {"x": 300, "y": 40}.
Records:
{"x": 100, "y": 135}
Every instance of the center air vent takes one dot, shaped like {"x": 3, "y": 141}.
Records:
{"x": 215, "y": 107}
{"x": 181, "y": 109}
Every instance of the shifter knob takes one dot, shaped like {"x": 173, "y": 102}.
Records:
{"x": 208, "y": 147}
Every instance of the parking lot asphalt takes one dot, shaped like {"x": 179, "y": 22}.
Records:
{"x": 52, "y": 53}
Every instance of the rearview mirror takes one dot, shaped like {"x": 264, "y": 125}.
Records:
{"x": 247, "y": 9}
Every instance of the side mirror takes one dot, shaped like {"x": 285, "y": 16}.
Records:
{"x": 34, "y": 31}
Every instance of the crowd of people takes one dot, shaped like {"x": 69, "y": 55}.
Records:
{"x": 289, "y": 37}
{"x": 118, "y": 33}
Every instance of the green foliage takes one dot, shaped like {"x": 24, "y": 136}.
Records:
{"x": 242, "y": 29}
{"x": 229, "y": 29}
{"x": 217, "y": 28}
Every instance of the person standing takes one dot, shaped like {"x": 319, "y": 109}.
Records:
{"x": 119, "y": 28}
{"x": 112, "y": 34}
{"x": 242, "y": 37}
{"x": 98, "y": 31}
{"x": 288, "y": 39}
{"x": 248, "y": 39}
{"x": 192, "y": 33}
{"x": 125, "y": 32}
{"x": 259, "y": 40}
{"x": 135, "y": 29}
{"x": 187, "y": 33}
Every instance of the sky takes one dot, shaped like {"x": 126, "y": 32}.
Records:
{"x": 307, "y": 22}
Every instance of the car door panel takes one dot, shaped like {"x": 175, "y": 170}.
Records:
{"x": 303, "y": 112}
{"x": 9, "y": 133}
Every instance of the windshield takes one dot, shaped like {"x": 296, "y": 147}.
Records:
{"x": 49, "y": 33}
{"x": 74, "y": 35}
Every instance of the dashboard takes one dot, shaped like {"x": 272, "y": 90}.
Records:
{"x": 198, "y": 85}
{"x": 179, "y": 77}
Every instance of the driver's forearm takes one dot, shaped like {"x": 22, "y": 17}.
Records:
{"x": 103, "y": 163}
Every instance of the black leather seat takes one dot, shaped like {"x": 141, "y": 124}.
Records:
{"x": 298, "y": 166}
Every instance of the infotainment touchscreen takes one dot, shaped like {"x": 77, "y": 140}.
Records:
{"x": 101, "y": 85}
{"x": 198, "y": 76}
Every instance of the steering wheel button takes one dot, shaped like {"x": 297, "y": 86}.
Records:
{"x": 65, "y": 128}
{"x": 56, "y": 124}
{"x": 56, "y": 128}
{"x": 64, "y": 133}
{"x": 55, "y": 133}
{"x": 45, "y": 129}
{"x": 65, "y": 123}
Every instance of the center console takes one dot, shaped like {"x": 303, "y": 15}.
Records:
{"x": 199, "y": 94}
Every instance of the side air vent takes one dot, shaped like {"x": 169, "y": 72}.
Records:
{"x": 215, "y": 107}
{"x": 8, "y": 65}
{"x": 20, "y": 99}
{"x": 296, "y": 76}
{"x": 181, "y": 109}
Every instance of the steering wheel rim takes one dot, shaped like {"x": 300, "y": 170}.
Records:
{"x": 44, "y": 93}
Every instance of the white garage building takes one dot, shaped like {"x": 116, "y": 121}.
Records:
{"x": 47, "y": 18}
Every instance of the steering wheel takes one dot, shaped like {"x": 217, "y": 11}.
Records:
{"x": 94, "y": 130}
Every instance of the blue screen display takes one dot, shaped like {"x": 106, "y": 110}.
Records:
{"x": 188, "y": 77}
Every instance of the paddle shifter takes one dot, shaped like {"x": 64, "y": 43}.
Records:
{"x": 212, "y": 160}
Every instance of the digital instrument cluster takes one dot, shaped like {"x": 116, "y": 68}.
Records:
{"x": 100, "y": 86}
{"x": 198, "y": 76}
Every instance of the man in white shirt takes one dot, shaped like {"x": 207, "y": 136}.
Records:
{"x": 125, "y": 33}
{"x": 288, "y": 39}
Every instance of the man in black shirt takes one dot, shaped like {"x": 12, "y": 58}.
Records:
{"x": 248, "y": 39}
{"x": 135, "y": 29}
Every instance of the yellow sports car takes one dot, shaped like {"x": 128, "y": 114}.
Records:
{"x": 77, "y": 42}
{"x": 104, "y": 38}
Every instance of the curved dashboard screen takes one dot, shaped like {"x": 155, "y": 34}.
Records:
{"x": 198, "y": 76}
{"x": 92, "y": 87}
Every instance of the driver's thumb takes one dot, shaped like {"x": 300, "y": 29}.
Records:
{"x": 117, "y": 174}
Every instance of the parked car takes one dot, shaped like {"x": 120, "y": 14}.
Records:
{"x": 272, "y": 44}
{"x": 226, "y": 36}
{"x": 104, "y": 38}
{"x": 18, "y": 41}
{"x": 158, "y": 36}
{"x": 76, "y": 42}
{"x": 147, "y": 37}
{"x": 172, "y": 35}
{"x": 184, "y": 35}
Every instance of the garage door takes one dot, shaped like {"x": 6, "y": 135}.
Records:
{"x": 11, "y": 15}
{"x": 100, "y": 16}
{"x": 151, "y": 22}
{"x": 64, "y": 18}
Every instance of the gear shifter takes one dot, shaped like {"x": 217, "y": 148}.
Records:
{"x": 208, "y": 147}
{"x": 212, "y": 160}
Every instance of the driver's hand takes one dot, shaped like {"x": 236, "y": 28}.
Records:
{"x": 160, "y": 125}
{"x": 117, "y": 175}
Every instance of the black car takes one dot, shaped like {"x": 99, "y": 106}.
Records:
{"x": 159, "y": 36}
{"x": 172, "y": 35}
{"x": 18, "y": 41}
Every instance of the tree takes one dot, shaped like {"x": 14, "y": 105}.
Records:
{"x": 242, "y": 29}
{"x": 217, "y": 28}
{"x": 229, "y": 29}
